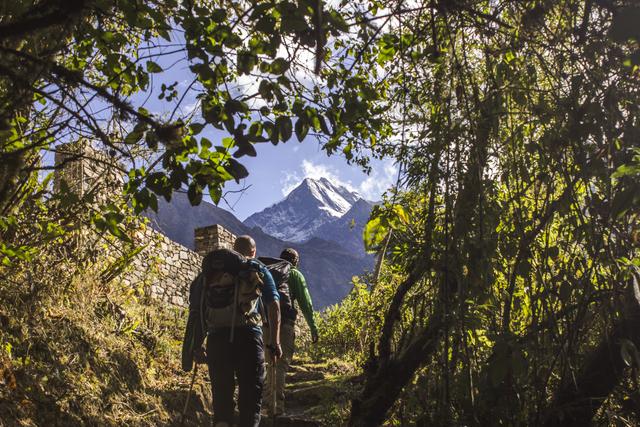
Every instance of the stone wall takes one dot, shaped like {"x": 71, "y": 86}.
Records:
{"x": 167, "y": 268}
{"x": 213, "y": 236}
{"x": 86, "y": 171}
{"x": 163, "y": 268}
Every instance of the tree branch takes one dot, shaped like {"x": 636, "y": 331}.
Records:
{"x": 60, "y": 14}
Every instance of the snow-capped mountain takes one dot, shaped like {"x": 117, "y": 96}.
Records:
{"x": 347, "y": 230}
{"x": 328, "y": 262}
{"x": 306, "y": 209}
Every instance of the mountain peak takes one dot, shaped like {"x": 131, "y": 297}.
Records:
{"x": 310, "y": 205}
{"x": 322, "y": 181}
{"x": 336, "y": 200}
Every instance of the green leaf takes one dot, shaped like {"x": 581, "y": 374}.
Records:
{"x": 237, "y": 170}
{"x": 279, "y": 66}
{"x": 152, "y": 140}
{"x": 136, "y": 134}
{"x": 153, "y": 67}
{"x": 215, "y": 192}
{"x": 401, "y": 213}
{"x": 265, "y": 90}
{"x": 196, "y": 128}
{"x": 302, "y": 129}
{"x": 246, "y": 62}
{"x": 194, "y": 192}
{"x": 245, "y": 149}
{"x": 374, "y": 234}
{"x": 338, "y": 23}
{"x": 624, "y": 200}
{"x": 285, "y": 128}
{"x": 323, "y": 125}
{"x": 272, "y": 132}
{"x": 509, "y": 56}
{"x": 219, "y": 15}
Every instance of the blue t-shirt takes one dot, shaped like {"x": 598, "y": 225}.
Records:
{"x": 269, "y": 290}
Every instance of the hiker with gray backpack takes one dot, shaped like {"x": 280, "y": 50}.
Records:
{"x": 226, "y": 304}
{"x": 292, "y": 290}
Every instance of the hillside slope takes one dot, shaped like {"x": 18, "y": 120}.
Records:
{"x": 347, "y": 230}
{"x": 327, "y": 265}
{"x": 90, "y": 353}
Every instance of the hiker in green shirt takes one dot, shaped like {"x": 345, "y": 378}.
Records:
{"x": 292, "y": 289}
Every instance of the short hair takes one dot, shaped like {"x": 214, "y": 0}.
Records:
{"x": 245, "y": 245}
{"x": 291, "y": 255}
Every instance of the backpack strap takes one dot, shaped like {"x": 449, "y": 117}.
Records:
{"x": 235, "y": 310}
{"x": 201, "y": 308}
{"x": 263, "y": 312}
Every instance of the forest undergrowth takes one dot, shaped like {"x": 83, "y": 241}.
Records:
{"x": 76, "y": 351}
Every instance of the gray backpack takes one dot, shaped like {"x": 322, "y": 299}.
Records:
{"x": 232, "y": 287}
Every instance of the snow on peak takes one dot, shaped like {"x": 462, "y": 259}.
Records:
{"x": 310, "y": 205}
{"x": 334, "y": 199}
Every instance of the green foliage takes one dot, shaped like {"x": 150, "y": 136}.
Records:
{"x": 111, "y": 51}
{"x": 513, "y": 235}
{"x": 520, "y": 201}
{"x": 347, "y": 329}
{"x": 74, "y": 347}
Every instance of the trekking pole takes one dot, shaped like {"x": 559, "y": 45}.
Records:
{"x": 273, "y": 392}
{"x": 186, "y": 402}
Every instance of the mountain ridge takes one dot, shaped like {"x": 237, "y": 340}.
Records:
{"x": 309, "y": 206}
{"x": 329, "y": 258}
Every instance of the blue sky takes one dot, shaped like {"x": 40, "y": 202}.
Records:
{"x": 277, "y": 169}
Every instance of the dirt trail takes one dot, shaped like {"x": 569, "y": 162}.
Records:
{"x": 316, "y": 393}
{"x": 313, "y": 395}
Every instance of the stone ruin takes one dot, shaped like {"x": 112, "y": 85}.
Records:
{"x": 163, "y": 268}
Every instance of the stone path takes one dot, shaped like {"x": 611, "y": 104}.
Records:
{"x": 317, "y": 394}
{"x": 314, "y": 391}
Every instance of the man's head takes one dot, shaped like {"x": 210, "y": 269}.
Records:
{"x": 291, "y": 255}
{"x": 245, "y": 245}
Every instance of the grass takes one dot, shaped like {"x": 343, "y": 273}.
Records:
{"x": 86, "y": 353}
{"x": 77, "y": 351}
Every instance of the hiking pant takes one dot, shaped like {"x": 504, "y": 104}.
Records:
{"x": 243, "y": 359}
{"x": 287, "y": 342}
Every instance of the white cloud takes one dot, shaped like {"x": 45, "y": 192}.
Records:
{"x": 315, "y": 171}
{"x": 378, "y": 181}
{"x": 289, "y": 182}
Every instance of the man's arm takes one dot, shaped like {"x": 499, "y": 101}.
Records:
{"x": 271, "y": 300}
{"x": 300, "y": 292}
{"x": 194, "y": 334}
{"x": 273, "y": 311}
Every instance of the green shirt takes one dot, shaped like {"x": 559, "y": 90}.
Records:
{"x": 300, "y": 293}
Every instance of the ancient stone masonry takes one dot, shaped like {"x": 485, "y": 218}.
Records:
{"x": 162, "y": 268}
{"x": 168, "y": 267}
{"x": 212, "y": 237}
{"x": 86, "y": 171}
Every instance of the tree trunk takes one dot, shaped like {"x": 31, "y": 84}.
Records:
{"x": 384, "y": 386}
{"x": 576, "y": 402}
